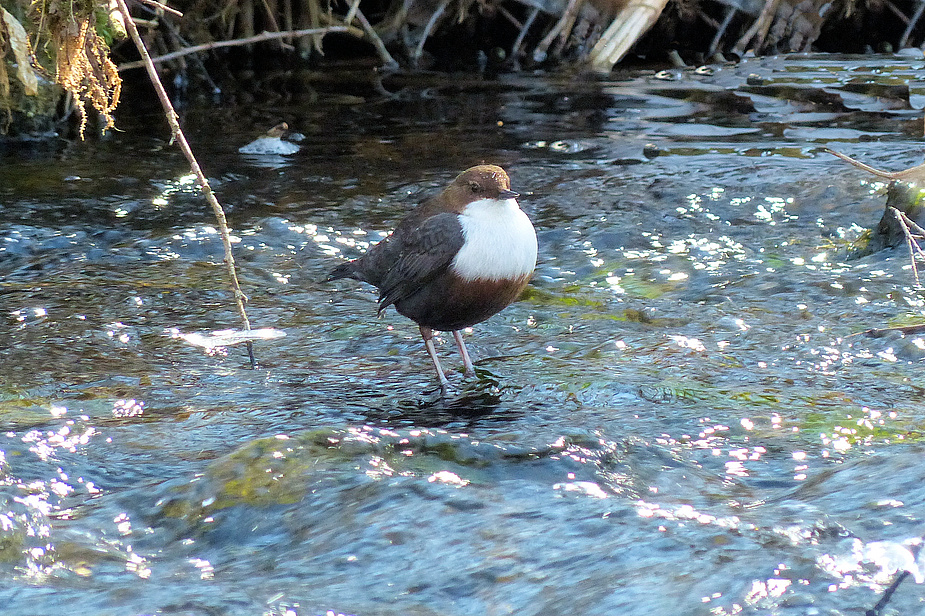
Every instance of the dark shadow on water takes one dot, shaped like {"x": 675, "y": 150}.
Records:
{"x": 472, "y": 400}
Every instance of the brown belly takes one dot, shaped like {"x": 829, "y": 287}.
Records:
{"x": 448, "y": 303}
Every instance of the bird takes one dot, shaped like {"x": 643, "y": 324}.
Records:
{"x": 454, "y": 261}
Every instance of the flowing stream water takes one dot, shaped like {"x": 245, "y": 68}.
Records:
{"x": 682, "y": 415}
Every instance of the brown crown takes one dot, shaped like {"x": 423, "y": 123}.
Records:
{"x": 480, "y": 182}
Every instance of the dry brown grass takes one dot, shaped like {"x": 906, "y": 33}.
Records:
{"x": 66, "y": 37}
{"x": 85, "y": 70}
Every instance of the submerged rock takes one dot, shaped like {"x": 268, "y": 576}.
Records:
{"x": 905, "y": 197}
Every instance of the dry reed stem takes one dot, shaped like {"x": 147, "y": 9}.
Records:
{"x": 627, "y": 27}
{"x": 180, "y": 138}
{"x": 539, "y": 52}
{"x": 759, "y": 29}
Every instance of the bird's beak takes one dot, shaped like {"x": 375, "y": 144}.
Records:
{"x": 509, "y": 194}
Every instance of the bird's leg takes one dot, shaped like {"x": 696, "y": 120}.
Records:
{"x": 428, "y": 336}
{"x": 467, "y": 361}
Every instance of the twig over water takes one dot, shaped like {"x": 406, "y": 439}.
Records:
{"x": 180, "y": 138}
{"x": 877, "y": 609}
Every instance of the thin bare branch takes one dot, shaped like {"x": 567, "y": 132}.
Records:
{"x": 879, "y": 332}
{"x": 388, "y": 62}
{"x": 919, "y": 230}
{"x": 911, "y": 240}
{"x": 507, "y": 15}
{"x": 431, "y": 23}
{"x": 257, "y": 38}
{"x": 905, "y": 174}
{"x": 916, "y": 15}
{"x": 910, "y": 243}
{"x": 351, "y": 13}
{"x": 272, "y": 17}
{"x": 721, "y": 30}
{"x": 161, "y": 6}
{"x": 333, "y": 20}
{"x": 515, "y": 48}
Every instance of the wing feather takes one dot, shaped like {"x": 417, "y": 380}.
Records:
{"x": 425, "y": 252}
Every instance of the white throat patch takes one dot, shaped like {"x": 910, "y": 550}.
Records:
{"x": 500, "y": 241}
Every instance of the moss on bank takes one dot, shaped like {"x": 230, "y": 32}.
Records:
{"x": 50, "y": 47}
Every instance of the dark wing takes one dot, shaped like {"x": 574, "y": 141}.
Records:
{"x": 424, "y": 253}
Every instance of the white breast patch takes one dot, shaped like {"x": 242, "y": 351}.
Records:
{"x": 500, "y": 241}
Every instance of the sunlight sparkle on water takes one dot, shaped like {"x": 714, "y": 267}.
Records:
{"x": 379, "y": 468}
{"x": 708, "y": 253}
{"x": 876, "y": 186}
{"x": 123, "y": 524}
{"x": 588, "y": 488}
{"x": 685, "y": 512}
{"x": 114, "y": 333}
{"x": 137, "y": 565}
{"x": 215, "y": 342}
{"x": 449, "y": 478}
{"x": 206, "y": 570}
{"x": 27, "y": 315}
{"x": 614, "y": 282}
{"x": 689, "y": 343}
{"x": 46, "y": 444}
{"x": 888, "y": 557}
{"x": 183, "y": 184}
{"x": 888, "y": 355}
{"x": 773, "y": 587}
{"x": 128, "y": 408}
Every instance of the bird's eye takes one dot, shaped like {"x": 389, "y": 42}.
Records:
{"x": 474, "y": 187}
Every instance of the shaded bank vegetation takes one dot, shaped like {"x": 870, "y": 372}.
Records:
{"x": 515, "y": 34}
{"x": 50, "y": 47}
{"x": 69, "y": 44}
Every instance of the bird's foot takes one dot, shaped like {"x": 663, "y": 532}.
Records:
{"x": 445, "y": 388}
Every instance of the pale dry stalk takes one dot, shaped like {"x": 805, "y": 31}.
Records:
{"x": 912, "y": 241}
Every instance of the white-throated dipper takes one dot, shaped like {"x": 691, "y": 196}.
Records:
{"x": 454, "y": 261}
